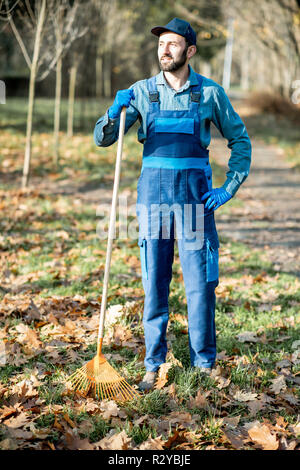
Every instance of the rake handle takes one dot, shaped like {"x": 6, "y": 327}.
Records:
{"x": 111, "y": 230}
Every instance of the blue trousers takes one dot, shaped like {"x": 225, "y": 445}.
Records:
{"x": 167, "y": 206}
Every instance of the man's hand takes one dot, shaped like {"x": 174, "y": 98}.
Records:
{"x": 123, "y": 98}
{"x": 216, "y": 198}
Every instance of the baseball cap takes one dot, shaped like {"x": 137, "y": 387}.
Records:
{"x": 177, "y": 26}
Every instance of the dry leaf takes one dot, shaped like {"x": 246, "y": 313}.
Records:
{"x": 182, "y": 418}
{"x": 18, "y": 421}
{"x": 247, "y": 336}
{"x": 278, "y": 384}
{"x": 200, "y": 401}
{"x": 6, "y": 411}
{"x": 109, "y": 409}
{"x": 8, "y": 444}
{"x": 73, "y": 442}
{"x": 235, "y": 438}
{"x": 261, "y": 435}
{"x": 162, "y": 377}
{"x": 119, "y": 441}
{"x": 223, "y": 382}
{"x": 244, "y": 396}
{"x": 255, "y": 406}
{"x": 152, "y": 444}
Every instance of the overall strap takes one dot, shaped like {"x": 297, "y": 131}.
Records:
{"x": 196, "y": 93}
{"x": 153, "y": 94}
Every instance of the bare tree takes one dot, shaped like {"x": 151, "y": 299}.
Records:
{"x": 273, "y": 30}
{"x": 68, "y": 26}
{"x": 33, "y": 66}
{"x": 49, "y": 30}
{"x": 115, "y": 22}
{"x": 71, "y": 100}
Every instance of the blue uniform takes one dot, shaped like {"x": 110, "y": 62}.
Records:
{"x": 175, "y": 175}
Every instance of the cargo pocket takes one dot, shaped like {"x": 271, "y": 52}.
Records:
{"x": 143, "y": 254}
{"x": 208, "y": 177}
{"x": 212, "y": 259}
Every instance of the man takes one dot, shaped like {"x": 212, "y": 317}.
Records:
{"x": 175, "y": 109}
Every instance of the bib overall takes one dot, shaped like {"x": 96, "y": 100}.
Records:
{"x": 175, "y": 174}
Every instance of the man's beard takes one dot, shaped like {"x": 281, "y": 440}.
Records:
{"x": 172, "y": 65}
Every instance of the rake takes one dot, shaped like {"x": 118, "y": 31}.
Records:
{"x": 97, "y": 376}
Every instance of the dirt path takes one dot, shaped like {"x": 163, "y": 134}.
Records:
{"x": 270, "y": 216}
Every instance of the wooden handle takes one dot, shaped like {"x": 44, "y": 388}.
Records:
{"x": 111, "y": 230}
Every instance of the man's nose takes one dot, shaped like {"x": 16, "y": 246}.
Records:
{"x": 165, "y": 50}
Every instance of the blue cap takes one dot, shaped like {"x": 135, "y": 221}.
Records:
{"x": 177, "y": 26}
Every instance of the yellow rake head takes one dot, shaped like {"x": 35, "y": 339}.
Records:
{"x": 100, "y": 379}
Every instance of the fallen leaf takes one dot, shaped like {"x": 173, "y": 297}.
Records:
{"x": 247, "y": 336}
{"x": 255, "y": 406}
{"x": 7, "y": 411}
{"x": 152, "y": 444}
{"x": 18, "y": 421}
{"x": 244, "y": 396}
{"x": 118, "y": 441}
{"x": 162, "y": 377}
{"x": 68, "y": 420}
{"x": 8, "y": 444}
{"x": 73, "y": 442}
{"x": 200, "y": 401}
{"x": 278, "y": 384}
{"x": 261, "y": 435}
{"x": 110, "y": 408}
{"x": 235, "y": 438}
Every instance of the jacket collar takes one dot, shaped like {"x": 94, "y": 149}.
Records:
{"x": 191, "y": 81}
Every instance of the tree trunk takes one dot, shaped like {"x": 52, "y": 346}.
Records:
{"x": 33, "y": 71}
{"x": 245, "y": 68}
{"x": 72, "y": 85}
{"x": 99, "y": 68}
{"x": 228, "y": 55}
{"x": 107, "y": 75}
{"x": 57, "y": 109}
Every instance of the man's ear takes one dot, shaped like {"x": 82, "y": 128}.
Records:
{"x": 191, "y": 51}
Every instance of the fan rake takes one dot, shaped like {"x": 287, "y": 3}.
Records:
{"x": 97, "y": 376}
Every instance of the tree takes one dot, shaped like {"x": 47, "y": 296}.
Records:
{"x": 68, "y": 25}
{"x": 49, "y": 29}
{"x": 33, "y": 66}
{"x": 272, "y": 29}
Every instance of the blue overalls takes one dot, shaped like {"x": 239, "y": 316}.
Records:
{"x": 175, "y": 175}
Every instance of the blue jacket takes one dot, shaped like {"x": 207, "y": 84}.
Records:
{"x": 214, "y": 106}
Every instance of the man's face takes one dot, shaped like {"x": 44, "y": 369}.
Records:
{"x": 172, "y": 51}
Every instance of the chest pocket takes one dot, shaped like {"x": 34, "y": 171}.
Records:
{"x": 175, "y": 125}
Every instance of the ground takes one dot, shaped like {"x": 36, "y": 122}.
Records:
{"x": 52, "y": 265}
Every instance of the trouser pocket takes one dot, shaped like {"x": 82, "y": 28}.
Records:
{"x": 143, "y": 254}
{"x": 208, "y": 177}
{"x": 212, "y": 259}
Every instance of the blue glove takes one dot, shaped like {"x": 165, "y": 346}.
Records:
{"x": 216, "y": 198}
{"x": 123, "y": 98}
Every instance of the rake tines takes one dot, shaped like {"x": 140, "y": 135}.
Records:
{"x": 102, "y": 381}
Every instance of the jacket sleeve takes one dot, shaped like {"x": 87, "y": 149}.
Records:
{"x": 233, "y": 129}
{"x": 106, "y": 131}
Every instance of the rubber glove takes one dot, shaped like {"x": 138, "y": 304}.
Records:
{"x": 123, "y": 98}
{"x": 216, "y": 198}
